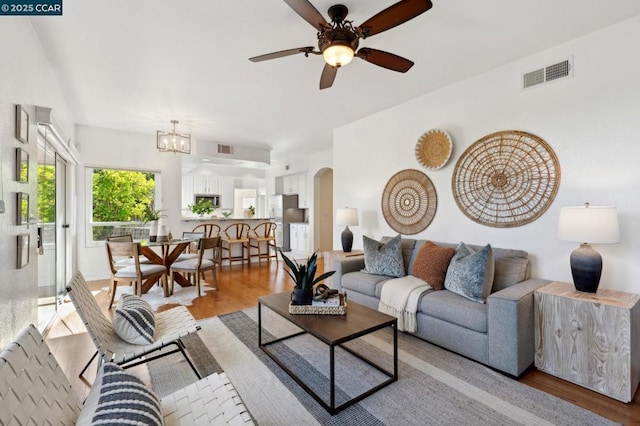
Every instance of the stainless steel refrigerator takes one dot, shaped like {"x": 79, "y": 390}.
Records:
{"x": 283, "y": 211}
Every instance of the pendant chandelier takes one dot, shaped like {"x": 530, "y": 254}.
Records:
{"x": 173, "y": 142}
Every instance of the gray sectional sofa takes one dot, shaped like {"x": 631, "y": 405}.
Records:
{"x": 499, "y": 333}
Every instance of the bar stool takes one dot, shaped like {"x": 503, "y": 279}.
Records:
{"x": 263, "y": 239}
{"x": 233, "y": 235}
{"x": 209, "y": 229}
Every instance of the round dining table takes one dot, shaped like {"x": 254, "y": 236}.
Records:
{"x": 169, "y": 252}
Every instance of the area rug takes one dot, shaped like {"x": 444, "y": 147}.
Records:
{"x": 435, "y": 386}
{"x": 155, "y": 296}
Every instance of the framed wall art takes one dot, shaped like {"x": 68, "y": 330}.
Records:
{"x": 22, "y": 124}
{"x": 23, "y": 250}
{"x": 22, "y": 165}
{"x": 23, "y": 209}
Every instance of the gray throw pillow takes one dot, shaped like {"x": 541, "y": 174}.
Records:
{"x": 383, "y": 259}
{"x": 470, "y": 273}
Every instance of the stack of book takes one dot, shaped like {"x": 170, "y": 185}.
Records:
{"x": 333, "y": 300}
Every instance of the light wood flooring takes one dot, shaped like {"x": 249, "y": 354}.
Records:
{"x": 239, "y": 288}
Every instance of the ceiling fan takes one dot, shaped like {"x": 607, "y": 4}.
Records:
{"x": 338, "y": 41}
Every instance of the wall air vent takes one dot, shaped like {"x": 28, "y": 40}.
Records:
{"x": 225, "y": 149}
{"x": 547, "y": 74}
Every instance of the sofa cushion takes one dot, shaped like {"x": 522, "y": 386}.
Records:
{"x": 431, "y": 264}
{"x": 408, "y": 248}
{"x": 511, "y": 268}
{"x": 363, "y": 283}
{"x": 453, "y": 308}
{"x": 134, "y": 321}
{"x": 470, "y": 273}
{"x": 383, "y": 258}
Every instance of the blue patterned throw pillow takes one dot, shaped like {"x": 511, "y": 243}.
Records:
{"x": 124, "y": 399}
{"x": 383, "y": 259}
{"x": 134, "y": 321}
{"x": 470, "y": 273}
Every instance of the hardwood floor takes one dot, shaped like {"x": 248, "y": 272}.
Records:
{"x": 239, "y": 288}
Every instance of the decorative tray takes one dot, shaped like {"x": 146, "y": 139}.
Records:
{"x": 320, "y": 309}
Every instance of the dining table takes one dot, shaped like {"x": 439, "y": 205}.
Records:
{"x": 168, "y": 253}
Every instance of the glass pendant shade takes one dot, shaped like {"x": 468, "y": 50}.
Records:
{"x": 338, "y": 55}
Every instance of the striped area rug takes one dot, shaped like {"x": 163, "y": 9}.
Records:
{"x": 435, "y": 386}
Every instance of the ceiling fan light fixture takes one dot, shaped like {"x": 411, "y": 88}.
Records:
{"x": 338, "y": 55}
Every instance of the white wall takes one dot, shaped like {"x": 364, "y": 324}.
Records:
{"x": 25, "y": 78}
{"x": 592, "y": 121}
{"x": 118, "y": 149}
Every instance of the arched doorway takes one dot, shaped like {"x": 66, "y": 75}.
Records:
{"x": 323, "y": 210}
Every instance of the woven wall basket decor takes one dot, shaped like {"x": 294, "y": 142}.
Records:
{"x": 433, "y": 149}
{"x": 409, "y": 202}
{"x": 506, "y": 179}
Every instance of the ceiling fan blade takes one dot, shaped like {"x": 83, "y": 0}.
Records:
{"x": 385, "y": 59}
{"x": 281, "y": 54}
{"x": 309, "y": 13}
{"x": 327, "y": 77}
{"x": 394, "y": 15}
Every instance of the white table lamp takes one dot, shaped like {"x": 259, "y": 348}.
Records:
{"x": 347, "y": 217}
{"x": 588, "y": 224}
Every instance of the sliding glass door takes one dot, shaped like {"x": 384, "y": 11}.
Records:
{"x": 52, "y": 228}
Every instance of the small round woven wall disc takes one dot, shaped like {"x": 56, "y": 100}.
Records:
{"x": 434, "y": 148}
{"x": 409, "y": 202}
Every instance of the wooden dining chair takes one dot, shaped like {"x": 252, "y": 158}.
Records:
{"x": 198, "y": 266}
{"x": 133, "y": 274}
{"x": 235, "y": 234}
{"x": 127, "y": 261}
{"x": 263, "y": 239}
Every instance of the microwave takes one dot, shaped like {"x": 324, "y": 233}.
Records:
{"x": 215, "y": 199}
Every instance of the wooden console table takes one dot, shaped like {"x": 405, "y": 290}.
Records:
{"x": 590, "y": 339}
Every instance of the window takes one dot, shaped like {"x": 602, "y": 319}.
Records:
{"x": 117, "y": 202}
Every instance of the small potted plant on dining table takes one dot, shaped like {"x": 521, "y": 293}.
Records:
{"x": 304, "y": 277}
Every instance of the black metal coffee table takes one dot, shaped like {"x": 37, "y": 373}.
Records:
{"x": 333, "y": 330}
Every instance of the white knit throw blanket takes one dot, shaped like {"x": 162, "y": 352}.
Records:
{"x": 399, "y": 298}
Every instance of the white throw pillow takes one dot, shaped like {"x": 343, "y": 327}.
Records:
{"x": 134, "y": 321}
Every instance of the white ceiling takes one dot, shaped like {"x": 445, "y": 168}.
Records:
{"x": 135, "y": 65}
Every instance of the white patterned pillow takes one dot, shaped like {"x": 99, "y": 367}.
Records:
{"x": 134, "y": 321}
{"x": 383, "y": 259}
{"x": 118, "y": 397}
{"x": 470, "y": 273}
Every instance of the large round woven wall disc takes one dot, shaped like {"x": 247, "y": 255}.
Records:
{"x": 506, "y": 179}
{"x": 409, "y": 202}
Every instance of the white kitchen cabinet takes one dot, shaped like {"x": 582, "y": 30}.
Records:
{"x": 206, "y": 185}
{"x": 303, "y": 199}
{"x": 299, "y": 237}
{"x": 226, "y": 192}
{"x": 187, "y": 191}
{"x": 290, "y": 184}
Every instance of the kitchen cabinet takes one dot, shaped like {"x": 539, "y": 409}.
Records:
{"x": 290, "y": 184}
{"x": 294, "y": 184}
{"x": 226, "y": 192}
{"x": 303, "y": 200}
{"x": 299, "y": 237}
{"x": 206, "y": 185}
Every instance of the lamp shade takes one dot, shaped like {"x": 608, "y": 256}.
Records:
{"x": 347, "y": 217}
{"x": 338, "y": 55}
{"x": 589, "y": 224}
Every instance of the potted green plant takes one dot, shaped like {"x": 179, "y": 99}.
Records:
{"x": 202, "y": 207}
{"x": 304, "y": 277}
